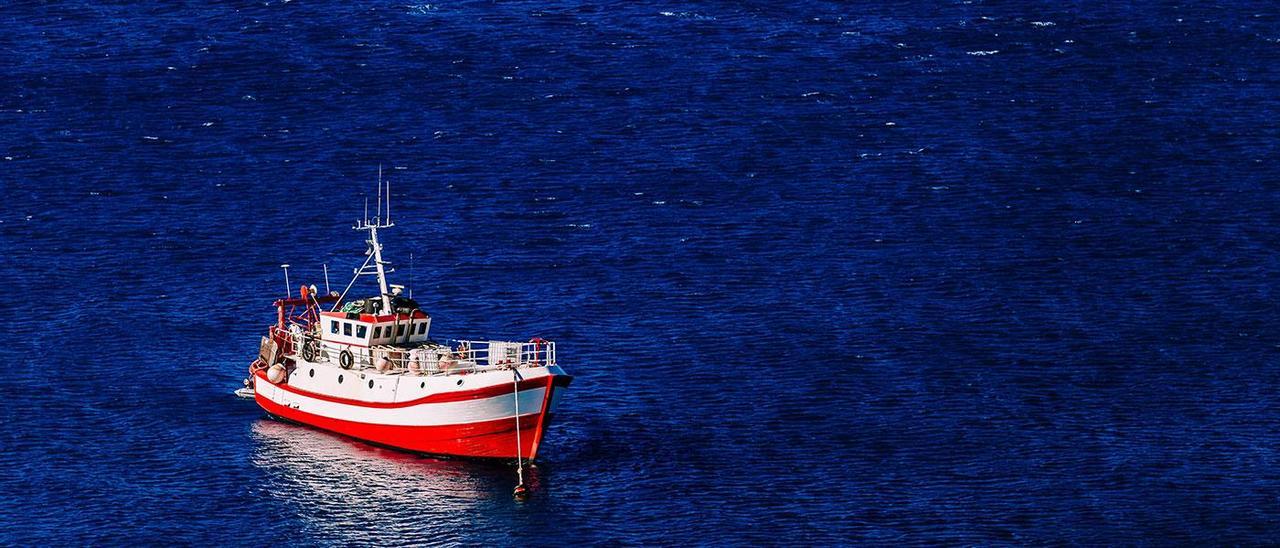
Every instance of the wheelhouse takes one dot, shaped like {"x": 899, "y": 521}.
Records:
{"x": 355, "y": 329}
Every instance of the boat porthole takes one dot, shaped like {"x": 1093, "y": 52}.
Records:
{"x": 423, "y": 385}
{"x": 370, "y": 383}
{"x": 313, "y": 372}
{"x": 339, "y": 379}
{"x": 459, "y": 382}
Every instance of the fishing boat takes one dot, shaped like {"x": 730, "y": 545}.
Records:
{"x": 369, "y": 369}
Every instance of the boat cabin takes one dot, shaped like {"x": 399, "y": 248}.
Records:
{"x": 363, "y": 324}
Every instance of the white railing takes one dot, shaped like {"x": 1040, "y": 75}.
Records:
{"x": 506, "y": 353}
{"x": 452, "y": 357}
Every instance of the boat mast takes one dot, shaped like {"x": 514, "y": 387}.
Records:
{"x": 375, "y": 247}
{"x": 379, "y": 265}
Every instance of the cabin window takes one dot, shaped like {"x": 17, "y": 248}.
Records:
{"x": 422, "y": 328}
{"x": 361, "y": 331}
{"x": 377, "y": 332}
{"x": 346, "y": 328}
{"x": 333, "y": 326}
{"x": 400, "y": 331}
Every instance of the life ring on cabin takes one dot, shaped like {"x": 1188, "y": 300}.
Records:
{"x": 308, "y": 351}
{"x": 345, "y": 359}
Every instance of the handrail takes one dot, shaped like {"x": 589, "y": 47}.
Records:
{"x": 431, "y": 359}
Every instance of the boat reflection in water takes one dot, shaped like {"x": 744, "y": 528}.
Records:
{"x": 347, "y": 491}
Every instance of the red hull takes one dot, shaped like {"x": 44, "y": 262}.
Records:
{"x": 489, "y": 439}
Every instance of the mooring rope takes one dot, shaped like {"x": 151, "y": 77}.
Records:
{"x": 515, "y": 391}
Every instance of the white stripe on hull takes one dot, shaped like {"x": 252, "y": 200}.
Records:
{"x": 426, "y": 414}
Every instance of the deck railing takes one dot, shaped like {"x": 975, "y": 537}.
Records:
{"x": 430, "y": 359}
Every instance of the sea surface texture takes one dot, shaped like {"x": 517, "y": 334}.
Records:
{"x": 825, "y": 272}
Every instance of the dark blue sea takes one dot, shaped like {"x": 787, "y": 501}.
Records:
{"x": 826, "y": 273}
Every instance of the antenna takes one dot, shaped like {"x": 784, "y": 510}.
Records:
{"x": 374, "y": 254}
{"x": 374, "y": 263}
{"x": 410, "y": 274}
{"x": 287, "y": 295}
{"x": 326, "y": 266}
{"x": 366, "y": 210}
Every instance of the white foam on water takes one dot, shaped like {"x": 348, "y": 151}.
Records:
{"x": 687, "y": 15}
{"x": 983, "y": 53}
{"x": 422, "y": 9}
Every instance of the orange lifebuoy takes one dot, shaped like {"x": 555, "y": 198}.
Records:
{"x": 537, "y": 347}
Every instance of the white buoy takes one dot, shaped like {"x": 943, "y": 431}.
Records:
{"x": 276, "y": 374}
